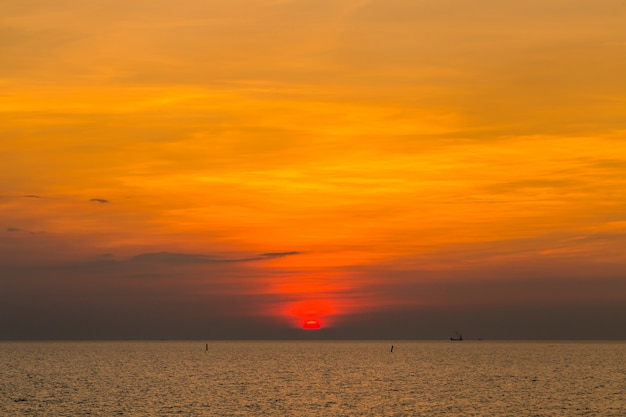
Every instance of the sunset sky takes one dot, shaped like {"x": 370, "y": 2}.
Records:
{"x": 213, "y": 169}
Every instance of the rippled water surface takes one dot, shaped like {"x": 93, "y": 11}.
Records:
{"x": 312, "y": 379}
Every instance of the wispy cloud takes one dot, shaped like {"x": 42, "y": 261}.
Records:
{"x": 278, "y": 254}
{"x": 32, "y": 196}
{"x": 14, "y": 229}
{"x": 99, "y": 200}
{"x": 186, "y": 258}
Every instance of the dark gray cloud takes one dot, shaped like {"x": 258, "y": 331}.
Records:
{"x": 14, "y": 229}
{"x": 152, "y": 264}
{"x": 33, "y": 196}
{"x": 572, "y": 321}
{"x": 278, "y": 254}
{"x": 185, "y": 258}
{"x": 212, "y": 296}
{"x": 151, "y": 276}
{"x": 99, "y": 200}
{"x": 498, "y": 289}
{"x": 171, "y": 311}
{"x": 174, "y": 258}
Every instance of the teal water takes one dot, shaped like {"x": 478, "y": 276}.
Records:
{"x": 313, "y": 379}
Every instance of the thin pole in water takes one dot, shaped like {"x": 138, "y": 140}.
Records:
{"x": 391, "y": 349}
{"x": 207, "y": 347}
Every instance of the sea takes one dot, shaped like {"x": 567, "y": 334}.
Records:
{"x": 313, "y": 378}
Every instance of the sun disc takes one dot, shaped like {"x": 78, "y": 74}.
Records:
{"x": 311, "y": 325}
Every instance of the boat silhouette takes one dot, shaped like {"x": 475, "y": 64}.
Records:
{"x": 458, "y": 337}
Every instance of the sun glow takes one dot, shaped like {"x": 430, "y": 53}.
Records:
{"x": 311, "y": 314}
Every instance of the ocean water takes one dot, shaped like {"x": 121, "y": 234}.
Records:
{"x": 313, "y": 379}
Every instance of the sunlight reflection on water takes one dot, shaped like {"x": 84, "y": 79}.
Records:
{"x": 312, "y": 379}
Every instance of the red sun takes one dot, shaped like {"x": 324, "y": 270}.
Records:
{"x": 311, "y": 325}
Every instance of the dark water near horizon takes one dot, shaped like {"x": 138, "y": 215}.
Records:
{"x": 313, "y": 379}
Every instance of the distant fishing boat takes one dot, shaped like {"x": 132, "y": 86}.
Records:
{"x": 458, "y": 337}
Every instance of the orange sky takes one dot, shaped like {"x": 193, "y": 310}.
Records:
{"x": 325, "y": 159}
